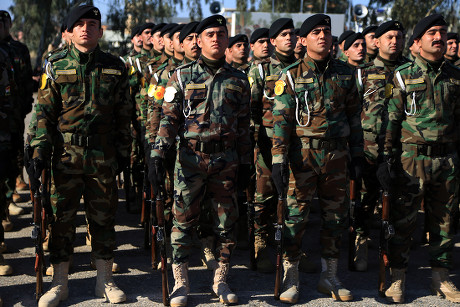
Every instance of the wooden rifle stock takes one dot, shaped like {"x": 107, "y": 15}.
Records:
{"x": 251, "y": 234}
{"x": 153, "y": 231}
{"x": 386, "y": 233}
{"x": 161, "y": 239}
{"x": 279, "y": 227}
{"x": 351, "y": 228}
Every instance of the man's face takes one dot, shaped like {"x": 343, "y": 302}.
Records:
{"x": 452, "y": 48}
{"x": 318, "y": 42}
{"x": 285, "y": 41}
{"x": 146, "y": 36}
{"x": 157, "y": 41}
{"x": 86, "y": 33}
{"x": 414, "y": 49}
{"x": 433, "y": 42}
{"x": 137, "y": 41}
{"x": 370, "y": 42}
{"x": 357, "y": 51}
{"x": 168, "y": 43}
{"x": 261, "y": 48}
{"x": 390, "y": 44}
{"x": 240, "y": 52}
{"x": 213, "y": 42}
{"x": 190, "y": 45}
{"x": 299, "y": 48}
{"x": 176, "y": 44}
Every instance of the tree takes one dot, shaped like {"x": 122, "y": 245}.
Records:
{"x": 293, "y": 6}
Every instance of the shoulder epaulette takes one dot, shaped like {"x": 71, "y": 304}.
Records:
{"x": 58, "y": 54}
{"x": 186, "y": 65}
{"x": 404, "y": 66}
{"x": 292, "y": 66}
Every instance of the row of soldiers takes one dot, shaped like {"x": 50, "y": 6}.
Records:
{"x": 202, "y": 116}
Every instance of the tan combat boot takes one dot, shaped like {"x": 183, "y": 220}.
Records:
{"x": 441, "y": 285}
{"x": 105, "y": 286}
{"x": 330, "y": 284}
{"x": 361, "y": 248}
{"x": 290, "y": 292}
{"x": 5, "y": 269}
{"x": 92, "y": 264}
{"x": 50, "y": 269}
{"x": 59, "y": 290}
{"x": 220, "y": 286}
{"x": 16, "y": 197}
{"x": 264, "y": 265}
{"x": 178, "y": 297}
{"x": 20, "y": 183}
{"x": 14, "y": 209}
{"x": 395, "y": 294}
{"x": 7, "y": 224}
{"x": 207, "y": 257}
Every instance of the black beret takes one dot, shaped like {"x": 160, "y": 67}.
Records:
{"x": 177, "y": 28}
{"x": 211, "y": 22}
{"x": 410, "y": 42}
{"x": 351, "y": 39}
{"x": 452, "y": 35}
{"x": 167, "y": 29}
{"x": 311, "y": 22}
{"x": 236, "y": 39}
{"x": 428, "y": 22}
{"x": 158, "y": 27}
{"x": 297, "y": 31}
{"x": 258, "y": 33}
{"x": 145, "y": 26}
{"x": 344, "y": 35}
{"x": 4, "y": 15}
{"x": 280, "y": 25}
{"x": 64, "y": 25}
{"x": 135, "y": 31}
{"x": 80, "y": 12}
{"x": 391, "y": 25}
{"x": 370, "y": 29}
{"x": 335, "y": 39}
{"x": 187, "y": 30}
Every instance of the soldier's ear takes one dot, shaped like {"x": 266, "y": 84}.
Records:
{"x": 198, "y": 41}
{"x": 101, "y": 32}
{"x": 303, "y": 41}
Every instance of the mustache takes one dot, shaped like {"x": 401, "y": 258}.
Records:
{"x": 437, "y": 42}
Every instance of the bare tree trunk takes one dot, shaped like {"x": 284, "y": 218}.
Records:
{"x": 430, "y": 11}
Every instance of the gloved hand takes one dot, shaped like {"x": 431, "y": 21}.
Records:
{"x": 280, "y": 176}
{"x": 244, "y": 176}
{"x": 356, "y": 168}
{"x": 386, "y": 174}
{"x": 157, "y": 173}
{"x": 35, "y": 170}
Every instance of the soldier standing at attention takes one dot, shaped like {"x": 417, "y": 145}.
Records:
{"x": 299, "y": 50}
{"x": 452, "y": 48}
{"x": 317, "y": 127}
{"x": 355, "y": 49}
{"x": 424, "y": 119}
{"x": 260, "y": 44}
{"x": 413, "y": 48}
{"x": 238, "y": 49}
{"x": 341, "y": 41}
{"x": 262, "y": 78}
{"x": 375, "y": 83}
{"x": 206, "y": 104}
{"x": 371, "y": 48}
{"x": 83, "y": 115}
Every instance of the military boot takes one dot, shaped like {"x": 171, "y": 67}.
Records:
{"x": 105, "y": 286}
{"x": 92, "y": 264}
{"x": 207, "y": 257}
{"x": 220, "y": 286}
{"x": 441, "y": 285}
{"x": 178, "y": 297}
{"x": 59, "y": 290}
{"x": 7, "y": 224}
{"x": 264, "y": 265}
{"x": 395, "y": 294}
{"x": 20, "y": 183}
{"x": 5, "y": 268}
{"x": 290, "y": 292}
{"x": 330, "y": 284}
{"x": 14, "y": 209}
{"x": 361, "y": 253}
{"x": 16, "y": 197}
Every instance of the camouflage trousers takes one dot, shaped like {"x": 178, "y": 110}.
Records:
{"x": 370, "y": 197}
{"x": 434, "y": 180}
{"x": 265, "y": 196}
{"x": 81, "y": 172}
{"x": 323, "y": 172}
{"x": 200, "y": 176}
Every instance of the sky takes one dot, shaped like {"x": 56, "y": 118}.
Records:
{"x": 103, "y": 6}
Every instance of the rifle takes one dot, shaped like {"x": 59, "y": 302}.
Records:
{"x": 127, "y": 186}
{"x": 355, "y": 206}
{"x": 279, "y": 230}
{"x": 386, "y": 233}
{"x": 161, "y": 240}
{"x": 251, "y": 235}
{"x": 146, "y": 206}
{"x": 153, "y": 230}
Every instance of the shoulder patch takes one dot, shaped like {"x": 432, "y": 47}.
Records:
{"x": 404, "y": 66}
{"x": 272, "y": 77}
{"x": 279, "y": 87}
{"x": 109, "y": 71}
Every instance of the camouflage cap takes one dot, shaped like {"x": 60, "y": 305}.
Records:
{"x": 313, "y": 21}
{"x": 211, "y": 22}
{"x": 80, "y": 12}
{"x": 187, "y": 30}
{"x": 258, "y": 33}
{"x": 236, "y": 39}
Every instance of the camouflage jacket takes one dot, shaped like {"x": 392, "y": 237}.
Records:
{"x": 84, "y": 96}
{"x": 7, "y": 87}
{"x": 375, "y": 84}
{"x": 309, "y": 104}
{"x": 425, "y": 107}
{"x": 244, "y": 67}
{"x": 155, "y": 96}
{"x": 201, "y": 106}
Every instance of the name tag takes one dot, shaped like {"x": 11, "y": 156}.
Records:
{"x": 272, "y": 77}
{"x": 66, "y": 72}
{"x": 376, "y": 77}
{"x": 111, "y": 71}
{"x": 235, "y": 88}
{"x": 303, "y": 80}
{"x": 414, "y": 81}
{"x": 344, "y": 77}
{"x": 193, "y": 86}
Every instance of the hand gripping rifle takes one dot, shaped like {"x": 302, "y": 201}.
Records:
{"x": 279, "y": 231}
{"x": 355, "y": 208}
{"x": 161, "y": 240}
{"x": 386, "y": 233}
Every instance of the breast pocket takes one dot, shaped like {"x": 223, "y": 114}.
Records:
{"x": 71, "y": 93}
{"x": 106, "y": 88}
{"x": 193, "y": 102}
{"x": 414, "y": 99}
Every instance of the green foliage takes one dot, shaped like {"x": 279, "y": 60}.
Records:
{"x": 315, "y": 6}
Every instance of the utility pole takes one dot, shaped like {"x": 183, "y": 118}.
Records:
{"x": 325, "y": 6}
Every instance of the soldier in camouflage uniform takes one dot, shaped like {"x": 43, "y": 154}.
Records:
{"x": 341, "y": 41}
{"x": 260, "y": 45}
{"x": 206, "y": 105}
{"x": 375, "y": 81}
{"x": 371, "y": 48}
{"x": 262, "y": 78}
{"x": 85, "y": 122}
{"x": 238, "y": 51}
{"x": 413, "y": 48}
{"x": 299, "y": 50}
{"x": 424, "y": 117}
{"x": 317, "y": 127}
{"x": 452, "y": 49}
{"x": 355, "y": 50}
